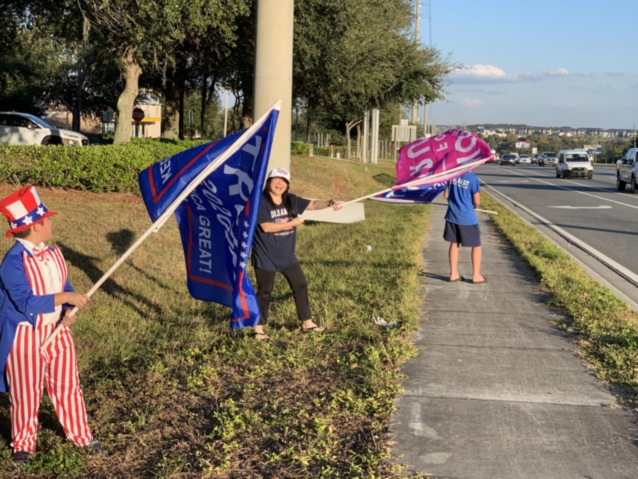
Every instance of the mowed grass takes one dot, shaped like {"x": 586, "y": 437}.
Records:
{"x": 174, "y": 393}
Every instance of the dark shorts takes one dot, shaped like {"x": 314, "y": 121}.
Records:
{"x": 465, "y": 235}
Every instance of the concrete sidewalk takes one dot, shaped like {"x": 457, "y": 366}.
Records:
{"x": 496, "y": 391}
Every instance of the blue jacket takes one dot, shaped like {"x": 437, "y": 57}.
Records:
{"x": 18, "y": 303}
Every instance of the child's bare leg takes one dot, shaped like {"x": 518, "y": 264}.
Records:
{"x": 476, "y": 264}
{"x": 454, "y": 261}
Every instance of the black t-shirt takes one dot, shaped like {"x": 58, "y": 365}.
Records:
{"x": 276, "y": 251}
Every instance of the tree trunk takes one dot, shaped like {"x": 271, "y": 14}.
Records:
{"x": 207, "y": 95}
{"x": 171, "y": 126}
{"x": 131, "y": 73}
{"x": 182, "y": 116}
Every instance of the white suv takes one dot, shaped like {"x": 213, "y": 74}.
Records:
{"x": 574, "y": 163}
{"x": 25, "y": 129}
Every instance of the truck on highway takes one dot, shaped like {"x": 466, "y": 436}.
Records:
{"x": 627, "y": 170}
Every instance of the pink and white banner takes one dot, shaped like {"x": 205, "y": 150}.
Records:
{"x": 440, "y": 158}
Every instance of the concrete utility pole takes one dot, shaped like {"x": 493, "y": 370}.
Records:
{"x": 426, "y": 120}
{"x": 273, "y": 71}
{"x": 417, "y": 40}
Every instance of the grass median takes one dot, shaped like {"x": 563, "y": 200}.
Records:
{"x": 174, "y": 393}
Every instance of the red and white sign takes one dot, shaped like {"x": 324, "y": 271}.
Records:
{"x": 138, "y": 114}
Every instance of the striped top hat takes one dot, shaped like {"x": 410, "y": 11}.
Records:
{"x": 23, "y": 208}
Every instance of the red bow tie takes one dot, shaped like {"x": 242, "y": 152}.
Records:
{"x": 41, "y": 252}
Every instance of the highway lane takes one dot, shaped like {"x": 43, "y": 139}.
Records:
{"x": 588, "y": 218}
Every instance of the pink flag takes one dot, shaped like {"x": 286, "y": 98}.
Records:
{"x": 441, "y": 158}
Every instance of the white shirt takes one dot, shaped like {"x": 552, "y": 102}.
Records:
{"x": 51, "y": 276}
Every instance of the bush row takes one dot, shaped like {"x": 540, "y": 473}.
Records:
{"x": 98, "y": 168}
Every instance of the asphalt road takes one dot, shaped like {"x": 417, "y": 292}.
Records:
{"x": 588, "y": 218}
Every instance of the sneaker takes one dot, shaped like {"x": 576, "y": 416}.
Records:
{"x": 20, "y": 458}
{"x": 95, "y": 448}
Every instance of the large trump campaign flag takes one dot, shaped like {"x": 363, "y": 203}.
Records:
{"x": 217, "y": 217}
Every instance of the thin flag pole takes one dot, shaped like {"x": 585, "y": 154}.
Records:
{"x": 402, "y": 185}
{"x": 154, "y": 228}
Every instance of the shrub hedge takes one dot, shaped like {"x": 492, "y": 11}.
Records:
{"x": 95, "y": 168}
{"x": 99, "y": 168}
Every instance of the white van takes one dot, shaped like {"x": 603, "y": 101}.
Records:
{"x": 574, "y": 164}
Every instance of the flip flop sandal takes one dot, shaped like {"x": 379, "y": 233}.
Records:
{"x": 315, "y": 329}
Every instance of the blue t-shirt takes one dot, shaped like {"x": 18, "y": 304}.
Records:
{"x": 460, "y": 209}
{"x": 276, "y": 251}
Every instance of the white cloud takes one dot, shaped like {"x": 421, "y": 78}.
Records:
{"x": 471, "y": 102}
{"x": 556, "y": 72}
{"x": 478, "y": 74}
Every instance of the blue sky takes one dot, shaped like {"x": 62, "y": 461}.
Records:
{"x": 541, "y": 63}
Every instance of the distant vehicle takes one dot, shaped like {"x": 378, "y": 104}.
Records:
{"x": 524, "y": 160}
{"x": 574, "y": 164}
{"x": 627, "y": 171}
{"x": 536, "y": 159}
{"x": 548, "y": 159}
{"x": 26, "y": 129}
{"x": 508, "y": 159}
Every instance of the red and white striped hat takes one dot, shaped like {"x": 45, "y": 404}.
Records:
{"x": 23, "y": 208}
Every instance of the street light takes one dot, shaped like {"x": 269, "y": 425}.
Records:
{"x": 226, "y": 112}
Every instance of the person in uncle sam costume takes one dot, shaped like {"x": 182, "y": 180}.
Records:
{"x": 35, "y": 295}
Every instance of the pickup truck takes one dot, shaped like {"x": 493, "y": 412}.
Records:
{"x": 627, "y": 170}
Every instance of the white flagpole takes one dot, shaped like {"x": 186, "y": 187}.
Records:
{"x": 409, "y": 183}
{"x": 230, "y": 151}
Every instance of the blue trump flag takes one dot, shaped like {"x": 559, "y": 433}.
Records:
{"x": 412, "y": 194}
{"x": 222, "y": 182}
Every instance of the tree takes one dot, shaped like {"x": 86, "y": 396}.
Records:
{"x": 353, "y": 56}
{"x": 147, "y": 35}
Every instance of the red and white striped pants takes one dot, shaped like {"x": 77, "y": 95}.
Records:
{"x": 28, "y": 370}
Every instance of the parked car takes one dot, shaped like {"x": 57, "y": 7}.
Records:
{"x": 524, "y": 160}
{"x": 548, "y": 159}
{"x": 508, "y": 159}
{"x": 26, "y": 129}
{"x": 574, "y": 164}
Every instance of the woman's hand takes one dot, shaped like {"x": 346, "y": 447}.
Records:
{"x": 336, "y": 205}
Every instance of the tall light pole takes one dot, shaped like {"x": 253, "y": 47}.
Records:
{"x": 425, "y": 103}
{"x": 273, "y": 71}
{"x": 226, "y": 114}
{"x": 417, "y": 21}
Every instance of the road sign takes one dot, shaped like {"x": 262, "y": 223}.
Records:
{"x": 138, "y": 114}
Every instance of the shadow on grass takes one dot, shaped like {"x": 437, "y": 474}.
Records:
{"x": 87, "y": 265}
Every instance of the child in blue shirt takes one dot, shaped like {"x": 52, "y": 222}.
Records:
{"x": 461, "y": 224}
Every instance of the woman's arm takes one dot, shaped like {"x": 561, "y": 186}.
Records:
{"x": 321, "y": 204}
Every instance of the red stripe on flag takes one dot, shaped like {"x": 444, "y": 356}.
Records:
{"x": 157, "y": 196}
{"x": 242, "y": 295}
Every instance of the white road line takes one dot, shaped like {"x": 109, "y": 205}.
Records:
{"x": 582, "y": 192}
{"x": 603, "y": 207}
{"x": 607, "y": 261}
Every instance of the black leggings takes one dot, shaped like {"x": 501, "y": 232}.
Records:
{"x": 297, "y": 281}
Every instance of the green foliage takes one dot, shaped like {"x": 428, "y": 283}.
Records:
{"x": 174, "y": 393}
{"x": 100, "y": 168}
{"x": 299, "y": 148}
{"x": 62, "y": 461}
